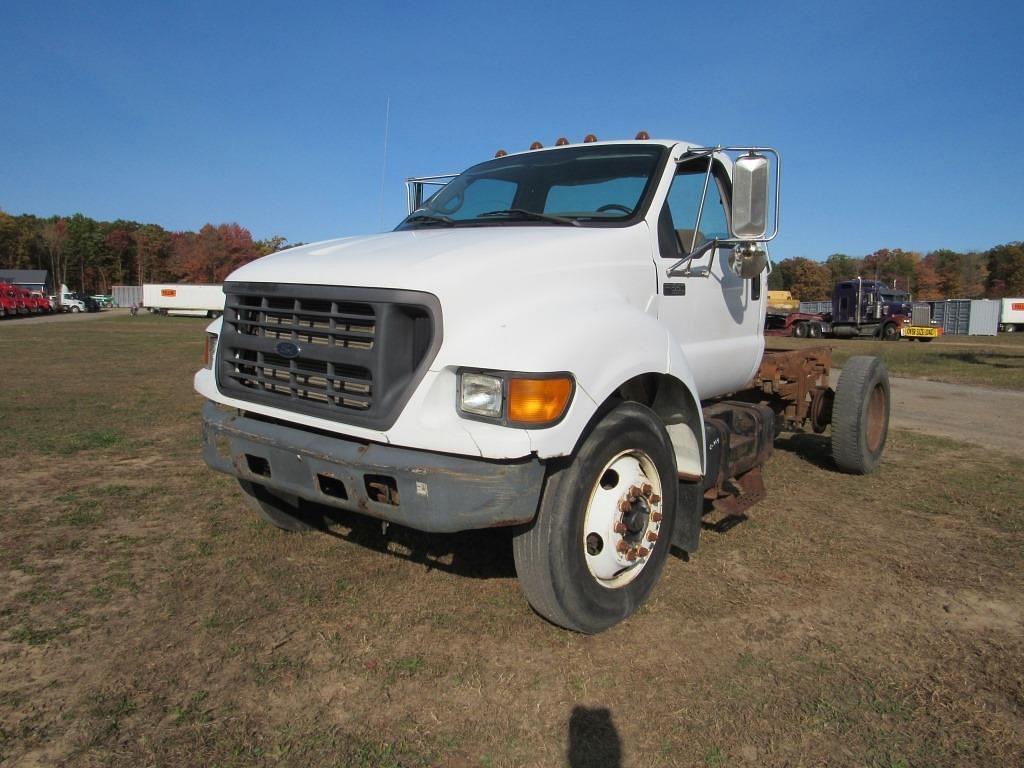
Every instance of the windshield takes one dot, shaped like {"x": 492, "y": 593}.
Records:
{"x": 576, "y": 185}
{"x": 893, "y": 296}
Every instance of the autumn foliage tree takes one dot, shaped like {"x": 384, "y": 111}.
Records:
{"x": 212, "y": 253}
{"x": 807, "y": 280}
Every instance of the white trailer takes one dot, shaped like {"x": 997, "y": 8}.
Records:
{"x": 1011, "y": 315}
{"x": 186, "y": 299}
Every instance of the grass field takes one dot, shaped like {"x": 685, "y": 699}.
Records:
{"x": 147, "y": 617}
{"x": 987, "y": 361}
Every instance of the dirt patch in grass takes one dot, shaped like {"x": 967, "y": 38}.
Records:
{"x": 148, "y": 618}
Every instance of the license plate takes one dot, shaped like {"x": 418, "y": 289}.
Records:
{"x": 916, "y": 330}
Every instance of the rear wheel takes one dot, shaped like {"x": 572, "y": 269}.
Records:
{"x": 814, "y": 331}
{"x": 287, "y": 512}
{"x": 603, "y": 531}
{"x": 801, "y": 330}
{"x": 860, "y": 415}
{"x": 1010, "y": 328}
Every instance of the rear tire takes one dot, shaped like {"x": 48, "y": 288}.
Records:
{"x": 573, "y": 562}
{"x": 860, "y": 415}
{"x": 814, "y": 331}
{"x": 1010, "y": 329}
{"x": 801, "y": 330}
{"x": 289, "y": 513}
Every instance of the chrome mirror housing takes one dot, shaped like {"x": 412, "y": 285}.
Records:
{"x": 750, "y": 189}
{"x": 747, "y": 260}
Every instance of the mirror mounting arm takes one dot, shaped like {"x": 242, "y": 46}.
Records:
{"x": 710, "y": 245}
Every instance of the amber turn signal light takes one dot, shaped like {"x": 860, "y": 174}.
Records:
{"x": 538, "y": 401}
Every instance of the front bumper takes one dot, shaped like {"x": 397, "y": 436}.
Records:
{"x": 435, "y": 492}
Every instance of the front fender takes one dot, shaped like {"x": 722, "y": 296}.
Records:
{"x": 604, "y": 342}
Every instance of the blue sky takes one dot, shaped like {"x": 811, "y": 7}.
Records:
{"x": 899, "y": 123}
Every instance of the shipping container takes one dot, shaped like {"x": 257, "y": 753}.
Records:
{"x": 967, "y": 317}
{"x": 126, "y": 295}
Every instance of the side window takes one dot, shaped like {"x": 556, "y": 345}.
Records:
{"x": 676, "y": 234}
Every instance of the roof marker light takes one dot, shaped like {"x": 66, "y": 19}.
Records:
{"x": 561, "y": 141}
{"x": 589, "y": 138}
{"x": 500, "y": 153}
{"x": 536, "y": 145}
{"x": 642, "y": 136}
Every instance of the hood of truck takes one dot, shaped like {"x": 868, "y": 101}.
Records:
{"x": 435, "y": 260}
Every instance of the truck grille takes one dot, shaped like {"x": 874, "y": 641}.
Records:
{"x": 352, "y": 355}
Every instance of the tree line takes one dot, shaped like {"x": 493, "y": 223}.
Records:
{"x": 91, "y": 256}
{"x": 941, "y": 274}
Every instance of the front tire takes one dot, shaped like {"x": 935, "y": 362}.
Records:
{"x": 890, "y": 332}
{"x": 602, "y": 535}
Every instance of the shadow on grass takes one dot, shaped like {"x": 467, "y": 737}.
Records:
{"x": 480, "y": 554}
{"x": 593, "y": 739}
{"x": 814, "y": 449}
{"x": 984, "y": 358}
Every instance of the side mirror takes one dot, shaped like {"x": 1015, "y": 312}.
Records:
{"x": 750, "y": 178}
{"x": 748, "y": 260}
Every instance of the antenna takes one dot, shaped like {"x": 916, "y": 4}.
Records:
{"x": 384, "y": 164}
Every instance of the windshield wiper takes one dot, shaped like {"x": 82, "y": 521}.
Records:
{"x": 525, "y": 214}
{"x": 437, "y": 218}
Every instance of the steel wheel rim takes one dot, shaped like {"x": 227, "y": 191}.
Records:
{"x": 623, "y": 519}
{"x": 876, "y": 418}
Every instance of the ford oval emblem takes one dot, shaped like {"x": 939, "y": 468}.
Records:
{"x": 288, "y": 349}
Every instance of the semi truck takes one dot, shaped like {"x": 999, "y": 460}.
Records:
{"x": 873, "y": 308}
{"x": 186, "y": 299}
{"x": 568, "y": 341}
{"x": 1011, "y": 315}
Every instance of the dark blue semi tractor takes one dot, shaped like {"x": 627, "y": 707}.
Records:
{"x": 872, "y": 308}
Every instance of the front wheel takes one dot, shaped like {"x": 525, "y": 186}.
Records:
{"x": 602, "y": 534}
{"x": 75, "y": 309}
{"x": 890, "y": 332}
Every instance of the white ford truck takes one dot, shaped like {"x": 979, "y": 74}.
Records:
{"x": 568, "y": 341}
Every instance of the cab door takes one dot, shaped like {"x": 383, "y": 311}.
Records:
{"x": 715, "y": 316}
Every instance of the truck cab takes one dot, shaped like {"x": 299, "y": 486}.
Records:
{"x": 538, "y": 344}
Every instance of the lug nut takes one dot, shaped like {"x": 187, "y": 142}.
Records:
{"x": 652, "y": 536}
{"x": 656, "y": 517}
{"x": 655, "y": 498}
{"x": 622, "y": 547}
{"x": 643, "y": 551}
{"x": 635, "y": 490}
{"x": 624, "y": 505}
{"x": 621, "y": 528}
{"x": 631, "y": 555}
{"x": 647, "y": 489}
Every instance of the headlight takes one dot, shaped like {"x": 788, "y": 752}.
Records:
{"x": 515, "y": 399}
{"x": 211, "y": 350}
{"x": 481, "y": 395}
